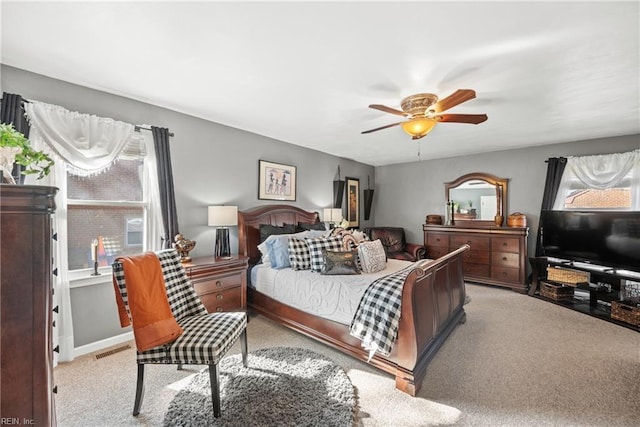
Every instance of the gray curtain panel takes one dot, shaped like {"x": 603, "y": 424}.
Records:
{"x": 555, "y": 168}
{"x": 11, "y": 111}
{"x": 165, "y": 181}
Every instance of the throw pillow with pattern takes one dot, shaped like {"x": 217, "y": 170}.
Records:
{"x": 317, "y": 245}
{"x": 372, "y": 256}
{"x": 299, "y": 256}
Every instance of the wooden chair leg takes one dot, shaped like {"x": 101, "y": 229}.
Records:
{"x": 243, "y": 345}
{"x": 215, "y": 389}
{"x": 139, "y": 390}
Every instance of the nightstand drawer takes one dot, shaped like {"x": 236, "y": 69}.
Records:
{"x": 227, "y": 300}
{"x": 218, "y": 283}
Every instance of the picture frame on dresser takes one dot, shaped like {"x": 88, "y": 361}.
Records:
{"x": 276, "y": 181}
{"x": 352, "y": 188}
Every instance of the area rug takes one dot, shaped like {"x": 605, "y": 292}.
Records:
{"x": 281, "y": 386}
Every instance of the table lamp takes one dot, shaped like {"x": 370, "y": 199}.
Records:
{"x": 332, "y": 216}
{"x": 223, "y": 217}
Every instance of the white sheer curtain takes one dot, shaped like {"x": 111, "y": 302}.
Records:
{"x": 602, "y": 172}
{"x": 86, "y": 143}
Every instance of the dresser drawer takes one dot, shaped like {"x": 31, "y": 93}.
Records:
{"x": 476, "y": 242}
{"x": 505, "y": 244}
{"x": 505, "y": 274}
{"x": 434, "y": 252}
{"x": 226, "y": 300}
{"x": 438, "y": 239}
{"x": 477, "y": 270}
{"x": 217, "y": 283}
{"x": 505, "y": 259}
{"x": 477, "y": 257}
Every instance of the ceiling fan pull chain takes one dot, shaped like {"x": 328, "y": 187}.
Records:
{"x": 418, "y": 141}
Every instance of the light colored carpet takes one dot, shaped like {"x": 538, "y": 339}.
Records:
{"x": 283, "y": 386}
{"x": 517, "y": 361}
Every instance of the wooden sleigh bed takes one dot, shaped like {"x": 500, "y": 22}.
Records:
{"x": 432, "y": 304}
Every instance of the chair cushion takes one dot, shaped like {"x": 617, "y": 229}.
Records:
{"x": 205, "y": 340}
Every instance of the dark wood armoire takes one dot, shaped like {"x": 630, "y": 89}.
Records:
{"x": 26, "y": 312}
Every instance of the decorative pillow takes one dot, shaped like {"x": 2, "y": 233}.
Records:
{"x": 299, "y": 256}
{"x": 311, "y": 226}
{"x": 317, "y": 245}
{"x": 372, "y": 256}
{"x": 267, "y": 230}
{"x": 340, "y": 263}
{"x": 279, "y": 250}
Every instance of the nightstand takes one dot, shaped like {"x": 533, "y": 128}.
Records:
{"x": 220, "y": 283}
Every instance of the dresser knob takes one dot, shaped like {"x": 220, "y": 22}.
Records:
{"x": 55, "y": 389}
{"x": 504, "y": 243}
{"x": 56, "y": 349}
{"x": 218, "y": 282}
{"x": 469, "y": 242}
{"x": 219, "y": 297}
{"x": 504, "y": 258}
{"x": 219, "y": 309}
{"x": 55, "y": 309}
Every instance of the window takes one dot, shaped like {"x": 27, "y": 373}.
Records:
{"x": 602, "y": 182}
{"x": 111, "y": 207}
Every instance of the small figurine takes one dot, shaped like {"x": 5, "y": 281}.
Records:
{"x": 183, "y": 246}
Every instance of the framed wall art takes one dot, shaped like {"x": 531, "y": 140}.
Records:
{"x": 276, "y": 181}
{"x": 353, "y": 201}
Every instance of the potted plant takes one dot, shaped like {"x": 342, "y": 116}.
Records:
{"x": 15, "y": 148}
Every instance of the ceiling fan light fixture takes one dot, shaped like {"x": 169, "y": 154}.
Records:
{"x": 418, "y": 126}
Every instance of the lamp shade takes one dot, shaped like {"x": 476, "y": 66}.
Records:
{"x": 418, "y": 126}
{"x": 223, "y": 216}
{"x": 332, "y": 215}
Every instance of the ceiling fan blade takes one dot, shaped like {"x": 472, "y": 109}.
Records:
{"x": 458, "y": 97}
{"x": 387, "y": 109}
{"x": 380, "y": 128}
{"x": 461, "y": 118}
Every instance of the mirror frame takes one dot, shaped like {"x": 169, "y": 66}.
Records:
{"x": 501, "y": 185}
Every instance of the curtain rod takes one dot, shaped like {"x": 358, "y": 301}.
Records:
{"x": 139, "y": 128}
{"x": 136, "y": 128}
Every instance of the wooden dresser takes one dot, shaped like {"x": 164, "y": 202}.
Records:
{"x": 498, "y": 255}
{"x": 220, "y": 283}
{"x": 26, "y": 374}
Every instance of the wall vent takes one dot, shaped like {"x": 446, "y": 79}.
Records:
{"x": 112, "y": 351}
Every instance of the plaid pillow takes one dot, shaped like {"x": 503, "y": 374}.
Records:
{"x": 299, "y": 256}
{"x": 317, "y": 245}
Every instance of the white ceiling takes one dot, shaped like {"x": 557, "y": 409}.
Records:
{"x": 304, "y": 73}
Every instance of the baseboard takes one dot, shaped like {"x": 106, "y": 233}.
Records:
{"x": 102, "y": 344}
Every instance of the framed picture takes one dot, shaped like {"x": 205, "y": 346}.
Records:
{"x": 276, "y": 181}
{"x": 353, "y": 201}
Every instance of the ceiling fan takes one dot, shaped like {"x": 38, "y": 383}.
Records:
{"x": 423, "y": 111}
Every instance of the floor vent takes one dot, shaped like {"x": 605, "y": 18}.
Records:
{"x": 112, "y": 351}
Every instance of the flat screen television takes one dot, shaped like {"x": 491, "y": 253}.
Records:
{"x": 605, "y": 238}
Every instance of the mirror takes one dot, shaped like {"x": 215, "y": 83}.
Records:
{"x": 478, "y": 198}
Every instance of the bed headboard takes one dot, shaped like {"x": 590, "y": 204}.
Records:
{"x": 249, "y": 225}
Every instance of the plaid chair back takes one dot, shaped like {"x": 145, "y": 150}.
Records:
{"x": 183, "y": 300}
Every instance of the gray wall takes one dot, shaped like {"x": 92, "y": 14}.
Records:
{"x": 212, "y": 164}
{"x": 407, "y": 192}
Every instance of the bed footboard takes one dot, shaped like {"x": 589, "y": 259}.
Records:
{"x": 432, "y": 306}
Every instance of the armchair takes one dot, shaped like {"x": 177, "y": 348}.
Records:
{"x": 395, "y": 244}
{"x": 205, "y": 337}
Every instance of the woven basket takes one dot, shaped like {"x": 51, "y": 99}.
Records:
{"x": 556, "y": 291}
{"x": 625, "y": 312}
{"x": 566, "y": 276}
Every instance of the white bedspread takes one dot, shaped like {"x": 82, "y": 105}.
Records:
{"x": 331, "y": 297}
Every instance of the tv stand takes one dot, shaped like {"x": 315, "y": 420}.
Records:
{"x": 593, "y": 298}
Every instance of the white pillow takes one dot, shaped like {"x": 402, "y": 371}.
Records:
{"x": 372, "y": 256}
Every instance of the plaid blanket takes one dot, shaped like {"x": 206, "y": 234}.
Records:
{"x": 378, "y": 315}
